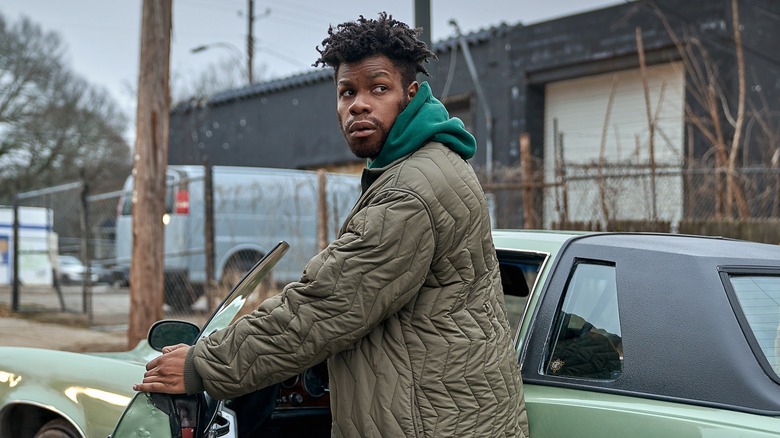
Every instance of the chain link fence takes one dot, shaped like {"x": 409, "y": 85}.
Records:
{"x": 73, "y": 251}
{"x": 620, "y": 197}
{"x": 57, "y": 254}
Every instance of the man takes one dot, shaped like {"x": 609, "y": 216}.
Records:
{"x": 406, "y": 304}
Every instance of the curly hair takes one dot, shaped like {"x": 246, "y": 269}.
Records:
{"x": 356, "y": 40}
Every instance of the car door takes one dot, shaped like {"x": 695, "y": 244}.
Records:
{"x": 582, "y": 355}
{"x": 180, "y": 416}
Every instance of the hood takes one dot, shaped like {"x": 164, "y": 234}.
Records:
{"x": 425, "y": 119}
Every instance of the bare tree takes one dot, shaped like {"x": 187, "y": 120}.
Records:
{"x": 732, "y": 192}
{"x": 704, "y": 86}
{"x": 223, "y": 75}
{"x": 55, "y": 126}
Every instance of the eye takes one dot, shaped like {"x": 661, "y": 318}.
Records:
{"x": 380, "y": 88}
{"x": 347, "y": 92}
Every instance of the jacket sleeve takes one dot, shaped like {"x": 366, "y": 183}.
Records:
{"x": 369, "y": 273}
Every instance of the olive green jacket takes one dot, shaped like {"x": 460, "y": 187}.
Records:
{"x": 405, "y": 305}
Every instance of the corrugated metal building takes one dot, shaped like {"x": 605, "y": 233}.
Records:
{"x": 572, "y": 84}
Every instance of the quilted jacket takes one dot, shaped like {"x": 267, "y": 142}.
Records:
{"x": 405, "y": 305}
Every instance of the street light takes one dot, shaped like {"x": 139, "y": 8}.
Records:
{"x": 235, "y": 52}
{"x": 250, "y": 40}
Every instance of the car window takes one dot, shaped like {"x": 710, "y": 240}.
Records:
{"x": 759, "y": 299}
{"x": 518, "y": 276}
{"x": 586, "y": 338}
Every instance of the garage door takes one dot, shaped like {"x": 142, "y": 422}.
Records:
{"x": 579, "y": 109}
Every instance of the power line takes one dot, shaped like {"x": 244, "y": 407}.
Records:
{"x": 293, "y": 8}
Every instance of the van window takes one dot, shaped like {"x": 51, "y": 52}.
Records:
{"x": 170, "y": 198}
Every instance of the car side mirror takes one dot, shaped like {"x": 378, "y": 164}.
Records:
{"x": 172, "y": 332}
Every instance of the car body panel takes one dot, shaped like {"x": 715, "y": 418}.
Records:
{"x": 564, "y": 412}
{"x": 150, "y": 420}
{"x": 91, "y": 393}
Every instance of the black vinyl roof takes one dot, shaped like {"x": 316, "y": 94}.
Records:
{"x": 689, "y": 245}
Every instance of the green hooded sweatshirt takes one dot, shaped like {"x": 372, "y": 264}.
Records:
{"x": 425, "y": 119}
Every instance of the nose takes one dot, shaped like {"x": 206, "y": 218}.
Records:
{"x": 360, "y": 104}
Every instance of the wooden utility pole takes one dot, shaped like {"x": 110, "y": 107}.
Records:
{"x": 208, "y": 235}
{"x": 151, "y": 156}
{"x": 250, "y": 42}
{"x": 422, "y": 19}
{"x": 322, "y": 209}
{"x": 527, "y": 179}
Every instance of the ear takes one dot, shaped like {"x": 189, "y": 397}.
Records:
{"x": 412, "y": 90}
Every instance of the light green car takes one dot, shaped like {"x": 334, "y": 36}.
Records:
{"x": 618, "y": 334}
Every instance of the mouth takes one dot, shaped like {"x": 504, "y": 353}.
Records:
{"x": 361, "y": 129}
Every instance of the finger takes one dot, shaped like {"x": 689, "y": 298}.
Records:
{"x": 165, "y": 378}
{"x": 150, "y": 387}
{"x": 171, "y": 348}
{"x": 157, "y": 380}
{"x": 152, "y": 375}
{"x": 153, "y": 363}
{"x": 160, "y": 386}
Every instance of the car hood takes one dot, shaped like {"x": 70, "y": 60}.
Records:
{"x": 141, "y": 354}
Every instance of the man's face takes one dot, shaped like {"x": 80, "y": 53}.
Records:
{"x": 370, "y": 96}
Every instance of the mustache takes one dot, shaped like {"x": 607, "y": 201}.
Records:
{"x": 370, "y": 119}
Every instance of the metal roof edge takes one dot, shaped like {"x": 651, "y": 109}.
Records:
{"x": 315, "y": 76}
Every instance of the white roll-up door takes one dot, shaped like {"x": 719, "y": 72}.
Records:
{"x": 622, "y": 187}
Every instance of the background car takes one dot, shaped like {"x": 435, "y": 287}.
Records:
{"x": 71, "y": 270}
{"x": 101, "y": 273}
{"x": 617, "y": 334}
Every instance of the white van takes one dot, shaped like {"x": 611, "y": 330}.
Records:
{"x": 254, "y": 208}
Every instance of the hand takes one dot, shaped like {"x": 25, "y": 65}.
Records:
{"x": 165, "y": 373}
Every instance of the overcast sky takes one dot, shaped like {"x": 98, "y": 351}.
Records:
{"x": 102, "y": 36}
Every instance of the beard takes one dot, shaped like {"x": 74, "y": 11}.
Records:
{"x": 368, "y": 147}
